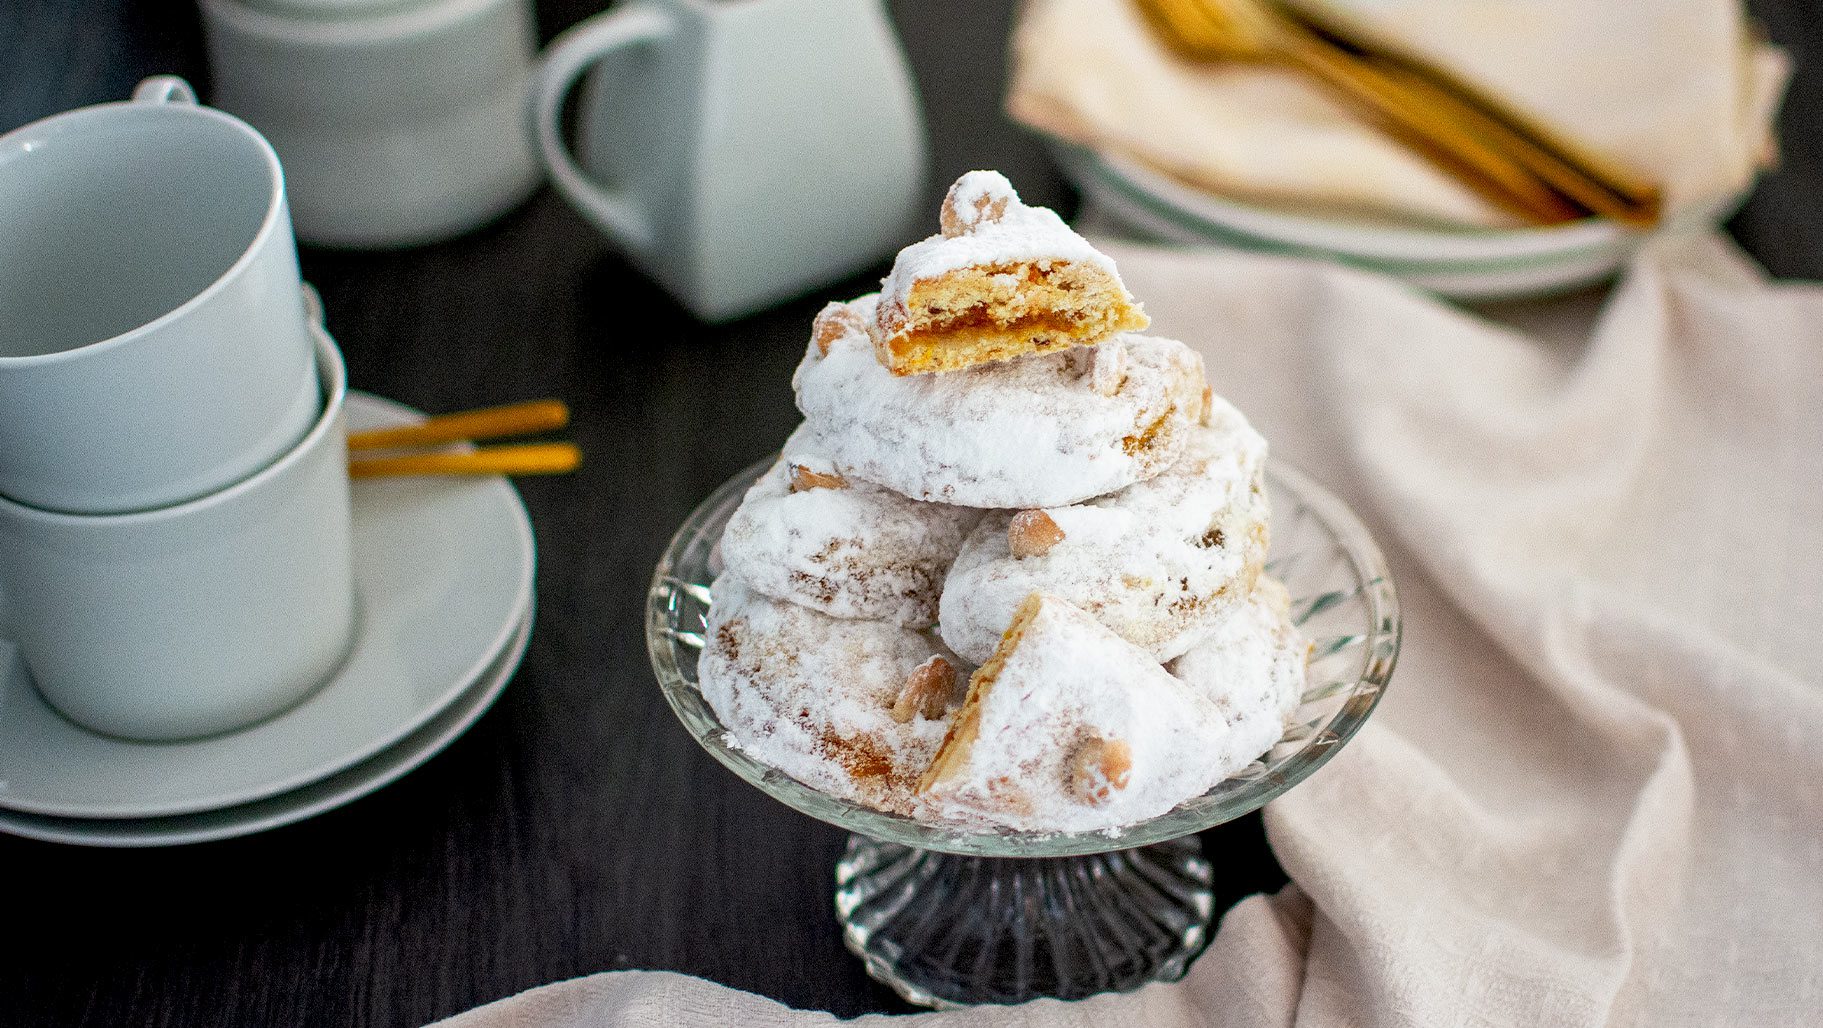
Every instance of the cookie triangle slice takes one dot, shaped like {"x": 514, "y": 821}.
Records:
{"x": 1002, "y": 280}
{"x": 1070, "y": 728}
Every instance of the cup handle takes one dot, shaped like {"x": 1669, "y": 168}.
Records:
{"x": 164, "y": 89}
{"x": 313, "y": 306}
{"x": 571, "y": 54}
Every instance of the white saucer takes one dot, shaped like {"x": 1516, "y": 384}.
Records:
{"x": 1465, "y": 264}
{"x": 443, "y": 579}
{"x": 298, "y": 804}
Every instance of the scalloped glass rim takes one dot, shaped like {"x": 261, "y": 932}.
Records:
{"x": 1322, "y": 551}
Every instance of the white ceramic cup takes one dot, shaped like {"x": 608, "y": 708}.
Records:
{"x": 198, "y": 618}
{"x": 739, "y": 153}
{"x": 153, "y": 347}
{"x": 399, "y": 123}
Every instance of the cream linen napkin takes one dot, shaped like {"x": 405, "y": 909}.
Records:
{"x": 1673, "y": 88}
{"x": 1591, "y": 796}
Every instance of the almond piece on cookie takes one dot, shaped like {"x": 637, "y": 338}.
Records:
{"x": 1002, "y": 280}
{"x": 1032, "y": 533}
{"x": 1098, "y": 768}
{"x": 927, "y": 691}
{"x": 833, "y": 322}
{"x": 804, "y": 479}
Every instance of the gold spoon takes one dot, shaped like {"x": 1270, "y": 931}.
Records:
{"x": 1512, "y": 163}
{"x": 1587, "y": 178}
{"x": 529, "y": 459}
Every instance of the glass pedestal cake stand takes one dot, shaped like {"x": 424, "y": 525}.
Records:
{"x": 950, "y": 917}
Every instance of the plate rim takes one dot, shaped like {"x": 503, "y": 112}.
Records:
{"x": 1399, "y": 246}
{"x": 1465, "y": 283}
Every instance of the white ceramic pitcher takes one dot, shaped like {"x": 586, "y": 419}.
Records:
{"x": 739, "y": 153}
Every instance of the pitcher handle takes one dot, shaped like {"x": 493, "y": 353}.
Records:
{"x": 164, "y": 89}
{"x": 571, "y": 54}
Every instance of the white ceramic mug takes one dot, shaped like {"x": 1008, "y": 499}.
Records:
{"x": 198, "y": 618}
{"x": 399, "y": 123}
{"x": 739, "y": 153}
{"x": 152, "y": 344}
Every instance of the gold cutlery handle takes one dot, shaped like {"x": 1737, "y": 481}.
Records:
{"x": 487, "y": 423}
{"x": 1410, "y": 117}
{"x": 1591, "y": 180}
{"x": 1628, "y": 202}
{"x": 1508, "y": 159}
{"x": 530, "y": 459}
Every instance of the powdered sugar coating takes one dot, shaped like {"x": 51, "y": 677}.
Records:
{"x": 1029, "y": 432}
{"x": 812, "y": 695}
{"x": 860, "y": 552}
{"x": 1069, "y": 681}
{"x": 1252, "y": 666}
{"x": 1160, "y": 563}
{"x": 1015, "y": 233}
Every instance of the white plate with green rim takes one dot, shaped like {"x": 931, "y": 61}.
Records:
{"x": 443, "y": 580}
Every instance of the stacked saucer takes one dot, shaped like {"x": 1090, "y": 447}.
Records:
{"x": 1462, "y": 263}
{"x": 443, "y": 586}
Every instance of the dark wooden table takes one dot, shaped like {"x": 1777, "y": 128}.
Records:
{"x": 577, "y": 828}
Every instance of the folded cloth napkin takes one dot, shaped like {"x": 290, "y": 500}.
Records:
{"x": 1676, "y": 89}
{"x": 1591, "y": 794}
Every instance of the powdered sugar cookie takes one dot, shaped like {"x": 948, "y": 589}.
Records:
{"x": 1070, "y": 728}
{"x": 1001, "y": 280}
{"x": 812, "y": 535}
{"x": 856, "y": 709}
{"x": 1160, "y": 563}
{"x": 1251, "y": 666}
{"x": 1038, "y": 431}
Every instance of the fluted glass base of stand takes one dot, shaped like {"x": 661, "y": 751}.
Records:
{"x": 952, "y": 931}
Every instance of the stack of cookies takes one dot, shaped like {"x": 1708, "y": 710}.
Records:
{"x": 1007, "y": 574}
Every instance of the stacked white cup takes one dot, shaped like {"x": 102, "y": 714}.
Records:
{"x": 174, "y": 518}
